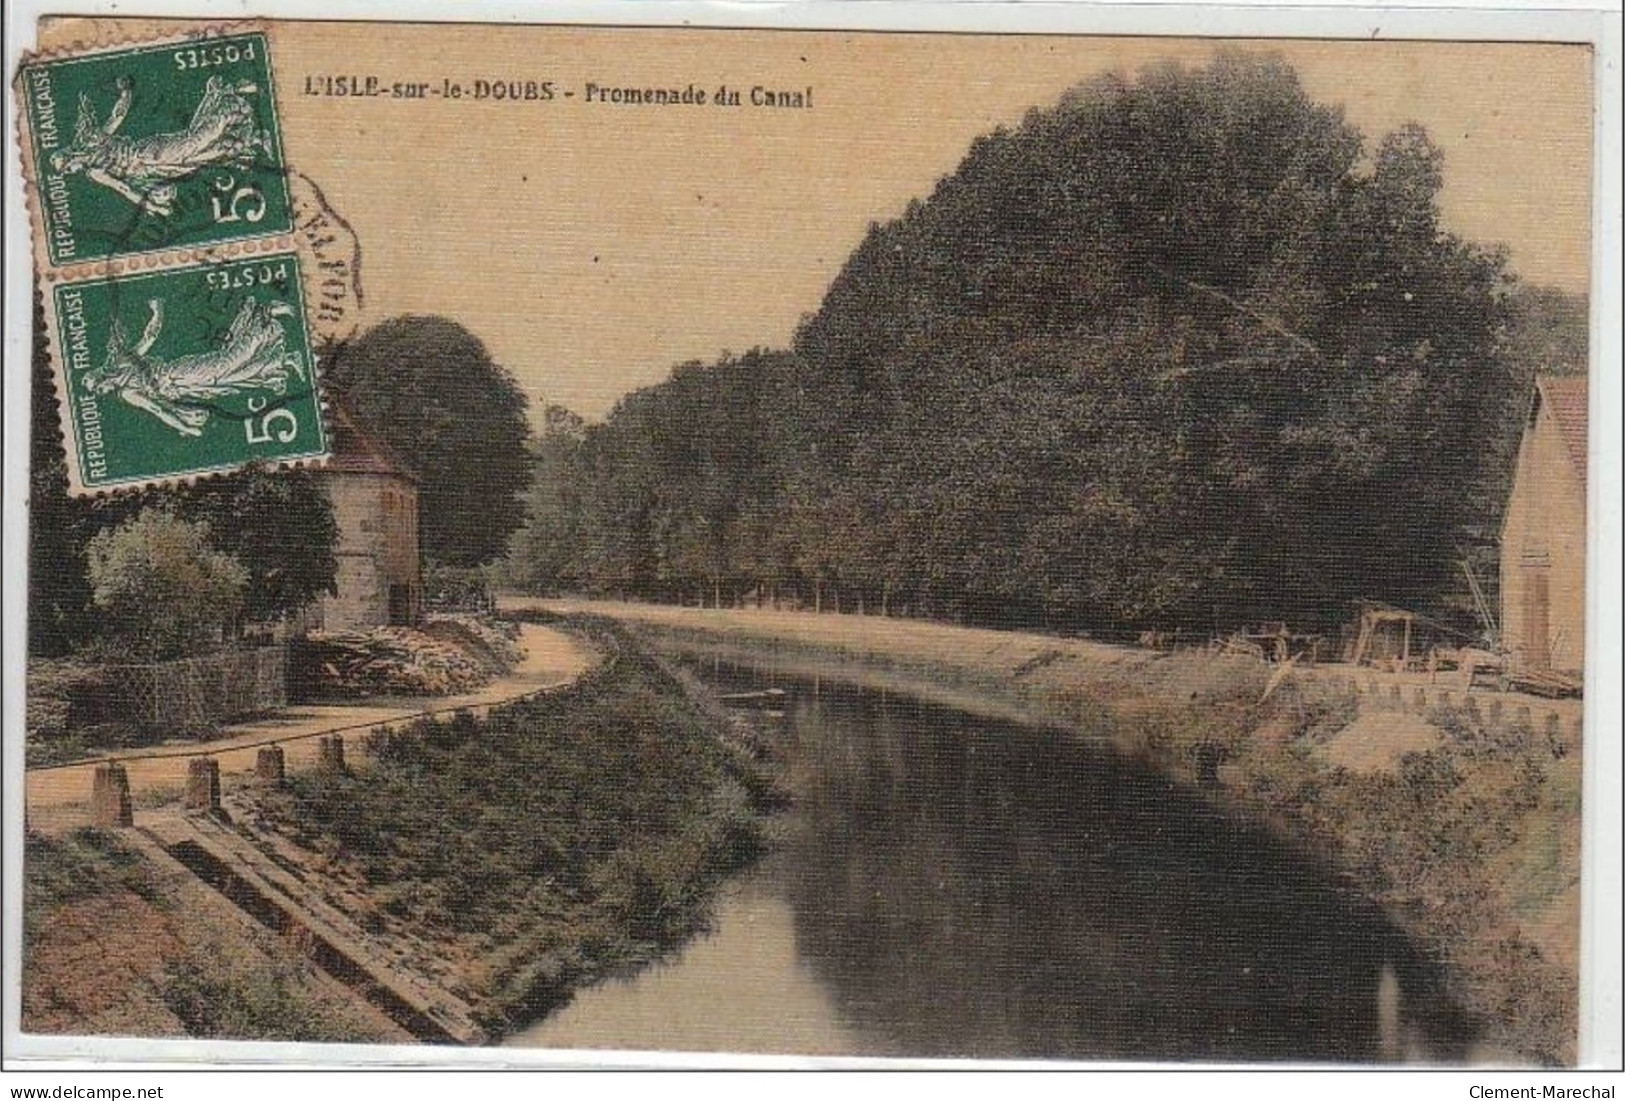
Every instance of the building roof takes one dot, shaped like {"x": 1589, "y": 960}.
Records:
{"x": 1566, "y": 396}
{"x": 355, "y": 450}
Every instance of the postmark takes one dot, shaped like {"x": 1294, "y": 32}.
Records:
{"x": 154, "y": 148}
{"x": 333, "y": 263}
{"x": 186, "y": 371}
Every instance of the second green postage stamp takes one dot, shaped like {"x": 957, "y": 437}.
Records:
{"x": 187, "y": 371}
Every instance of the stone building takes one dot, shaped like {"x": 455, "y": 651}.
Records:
{"x": 375, "y": 505}
{"x": 1543, "y": 538}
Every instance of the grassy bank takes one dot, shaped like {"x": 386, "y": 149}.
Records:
{"x": 113, "y": 945}
{"x": 564, "y": 838}
{"x": 1471, "y": 844}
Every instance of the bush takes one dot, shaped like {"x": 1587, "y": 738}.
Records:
{"x": 456, "y": 589}
{"x": 61, "y": 871}
{"x": 165, "y": 590}
{"x": 62, "y": 695}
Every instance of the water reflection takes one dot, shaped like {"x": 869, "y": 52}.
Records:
{"x": 957, "y": 886}
{"x": 744, "y": 988}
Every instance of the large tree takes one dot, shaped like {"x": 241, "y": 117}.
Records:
{"x": 430, "y": 388}
{"x": 545, "y": 555}
{"x": 1199, "y": 346}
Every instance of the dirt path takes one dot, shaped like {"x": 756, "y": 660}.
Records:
{"x": 58, "y": 798}
{"x": 857, "y": 635}
{"x": 984, "y": 650}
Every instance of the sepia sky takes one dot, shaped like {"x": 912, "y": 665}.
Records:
{"x": 592, "y": 246}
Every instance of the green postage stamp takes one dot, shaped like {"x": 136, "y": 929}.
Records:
{"x": 164, "y": 225}
{"x": 156, "y": 148}
{"x": 186, "y": 371}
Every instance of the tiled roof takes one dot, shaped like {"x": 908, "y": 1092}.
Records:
{"x": 356, "y": 450}
{"x": 1566, "y": 397}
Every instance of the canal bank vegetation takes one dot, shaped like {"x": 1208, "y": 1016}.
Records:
{"x": 563, "y": 838}
{"x": 115, "y": 945}
{"x": 1469, "y": 842}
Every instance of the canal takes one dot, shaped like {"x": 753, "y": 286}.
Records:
{"x": 956, "y": 886}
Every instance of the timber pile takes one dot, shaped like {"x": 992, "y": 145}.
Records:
{"x": 1545, "y": 682}
{"x": 389, "y": 661}
{"x": 493, "y": 642}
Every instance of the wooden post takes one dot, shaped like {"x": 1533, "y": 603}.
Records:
{"x": 202, "y": 784}
{"x": 1364, "y": 641}
{"x": 1554, "y": 736}
{"x": 110, "y": 796}
{"x": 270, "y": 764}
{"x": 330, "y": 752}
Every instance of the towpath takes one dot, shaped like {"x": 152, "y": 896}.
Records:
{"x": 59, "y": 798}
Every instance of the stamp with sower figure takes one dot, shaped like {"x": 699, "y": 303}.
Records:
{"x": 164, "y": 218}
{"x": 155, "y": 148}
{"x": 187, "y": 371}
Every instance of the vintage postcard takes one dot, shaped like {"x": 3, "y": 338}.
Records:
{"x": 871, "y": 543}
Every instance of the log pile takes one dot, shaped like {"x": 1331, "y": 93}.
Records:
{"x": 389, "y": 661}
{"x": 1545, "y": 682}
{"x": 493, "y": 642}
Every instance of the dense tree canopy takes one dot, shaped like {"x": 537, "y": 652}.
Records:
{"x": 543, "y": 555}
{"x": 429, "y": 388}
{"x": 1184, "y": 349}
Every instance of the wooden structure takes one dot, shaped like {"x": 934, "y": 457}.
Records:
{"x": 1274, "y": 642}
{"x": 1398, "y": 639}
{"x": 379, "y": 580}
{"x": 1376, "y": 621}
{"x": 1543, "y": 535}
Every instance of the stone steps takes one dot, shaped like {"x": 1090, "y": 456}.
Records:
{"x": 212, "y": 850}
